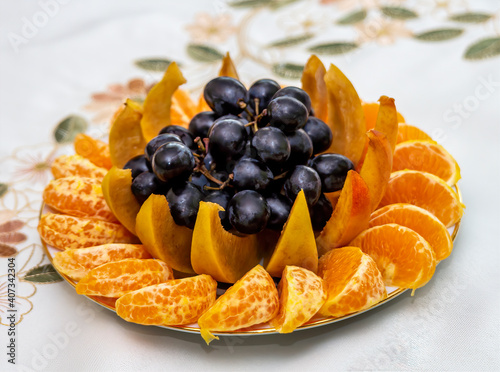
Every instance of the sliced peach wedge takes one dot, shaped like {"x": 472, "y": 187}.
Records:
{"x": 350, "y": 216}
{"x": 228, "y": 68}
{"x": 218, "y": 253}
{"x": 313, "y": 83}
{"x": 162, "y": 237}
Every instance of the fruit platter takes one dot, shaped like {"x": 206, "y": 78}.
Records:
{"x": 251, "y": 210}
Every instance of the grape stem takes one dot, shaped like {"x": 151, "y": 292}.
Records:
{"x": 280, "y": 176}
{"x": 200, "y": 144}
{"x": 224, "y": 184}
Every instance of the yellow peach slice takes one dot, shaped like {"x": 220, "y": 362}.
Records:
{"x": 313, "y": 82}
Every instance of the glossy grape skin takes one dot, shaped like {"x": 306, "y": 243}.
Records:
{"x": 287, "y": 114}
{"x": 220, "y": 197}
{"x": 251, "y": 174}
{"x": 272, "y": 145}
{"x": 264, "y": 90}
{"x": 279, "y": 206}
{"x": 138, "y": 164}
{"x": 157, "y": 142}
{"x": 201, "y": 123}
{"x": 146, "y": 184}
{"x": 305, "y": 178}
{"x": 332, "y": 169}
{"x": 320, "y": 213}
{"x": 172, "y": 161}
{"x": 184, "y": 202}
{"x": 296, "y": 93}
{"x": 185, "y": 136}
{"x": 248, "y": 212}
{"x": 320, "y": 134}
{"x": 227, "y": 139}
{"x": 224, "y": 94}
{"x": 301, "y": 148}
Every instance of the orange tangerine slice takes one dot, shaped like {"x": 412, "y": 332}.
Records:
{"x": 426, "y": 156}
{"x": 404, "y": 258}
{"x": 352, "y": 281}
{"x": 79, "y": 197}
{"x": 76, "y": 165}
{"x": 76, "y": 263}
{"x": 424, "y": 190}
{"x": 301, "y": 296}
{"x": 94, "y": 150}
{"x": 407, "y": 132}
{"x": 420, "y": 221}
{"x": 251, "y": 300}
{"x": 114, "y": 279}
{"x": 63, "y": 232}
{"x": 175, "y": 302}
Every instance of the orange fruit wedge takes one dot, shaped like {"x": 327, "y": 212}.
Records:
{"x": 424, "y": 190}
{"x": 387, "y": 120}
{"x": 117, "y": 191}
{"x": 404, "y": 258}
{"x": 427, "y": 156}
{"x": 182, "y": 109}
{"x": 156, "y": 113}
{"x": 352, "y": 281}
{"x": 228, "y": 68}
{"x": 176, "y": 302}
{"x": 94, "y": 150}
{"x": 63, "y": 232}
{"x": 251, "y": 300}
{"x": 76, "y": 165}
{"x": 313, "y": 83}
{"x": 408, "y": 132}
{"x": 301, "y": 294}
{"x": 114, "y": 279}
{"x": 420, "y": 221}
{"x": 79, "y": 197}
{"x": 76, "y": 263}
{"x": 125, "y": 136}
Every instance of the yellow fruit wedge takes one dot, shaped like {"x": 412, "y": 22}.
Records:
{"x": 162, "y": 237}
{"x": 125, "y": 135}
{"x": 228, "y": 68}
{"x": 296, "y": 245}
{"x": 345, "y": 116}
{"x": 313, "y": 82}
{"x": 387, "y": 120}
{"x": 371, "y": 113}
{"x": 158, "y": 102}
{"x": 218, "y": 253}
{"x": 116, "y": 187}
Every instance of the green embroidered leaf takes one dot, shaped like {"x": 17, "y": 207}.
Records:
{"x": 290, "y": 41}
{"x": 353, "y": 17}
{"x": 333, "y": 48}
{"x": 288, "y": 70}
{"x": 471, "y": 17}
{"x": 397, "y": 12}
{"x": 485, "y": 48}
{"x": 153, "y": 64}
{"x": 68, "y": 128}
{"x": 3, "y": 189}
{"x": 277, "y": 4}
{"x": 248, "y": 3}
{"x": 43, "y": 274}
{"x": 440, "y": 34}
{"x": 204, "y": 53}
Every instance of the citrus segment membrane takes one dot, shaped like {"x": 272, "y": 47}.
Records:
{"x": 93, "y": 149}
{"x": 76, "y": 165}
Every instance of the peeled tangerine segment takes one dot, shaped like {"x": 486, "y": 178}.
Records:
{"x": 64, "y": 232}
{"x": 352, "y": 281}
{"x": 93, "y": 149}
{"x": 216, "y": 252}
{"x": 404, "y": 258}
{"x": 76, "y": 165}
{"x": 182, "y": 109}
{"x": 350, "y": 216}
{"x": 251, "y": 300}
{"x": 296, "y": 245}
{"x": 301, "y": 294}
{"x": 158, "y": 102}
{"x": 125, "y": 136}
{"x": 313, "y": 82}
{"x": 176, "y": 302}
{"x": 116, "y": 188}
{"x": 76, "y": 263}
{"x": 114, "y": 279}
{"x": 162, "y": 237}
{"x": 79, "y": 197}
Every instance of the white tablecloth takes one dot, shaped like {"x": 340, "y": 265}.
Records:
{"x": 54, "y": 55}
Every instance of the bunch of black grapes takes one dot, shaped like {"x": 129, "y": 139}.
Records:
{"x": 252, "y": 154}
